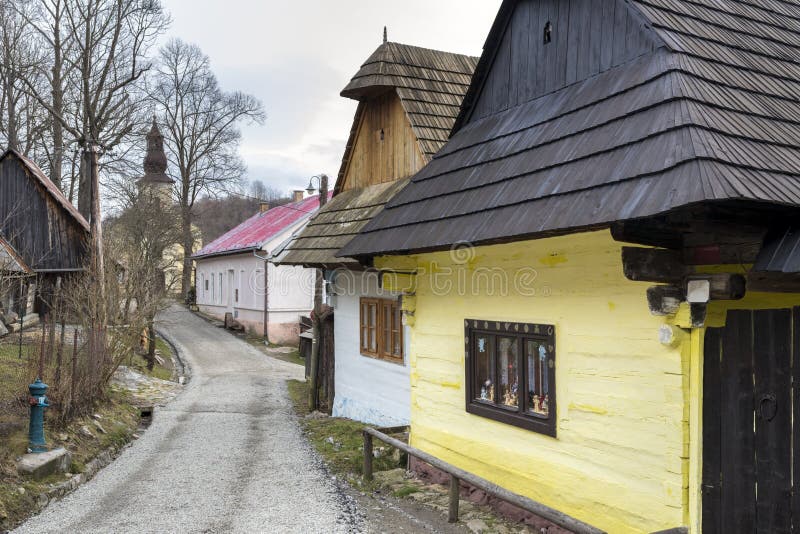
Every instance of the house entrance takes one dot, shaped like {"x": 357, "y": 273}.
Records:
{"x": 751, "y": 446}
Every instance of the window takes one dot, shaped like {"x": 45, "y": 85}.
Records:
{"x": 219, "y": 288}
{"x": 381, "y": 328}
{"x": 511, "y": 373}
{"x": 206, "y": 283}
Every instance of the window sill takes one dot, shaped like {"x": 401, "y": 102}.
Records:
{"x": 396, "y": 361}
{"x": 504, "y": 415}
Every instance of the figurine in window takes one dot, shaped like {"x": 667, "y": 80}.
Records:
{"x": 487, "y": 391}
{"x": 545, "y": 402}
{"x": 536, "y": 404}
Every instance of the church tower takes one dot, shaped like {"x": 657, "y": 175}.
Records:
{"x": 155, "y": 179}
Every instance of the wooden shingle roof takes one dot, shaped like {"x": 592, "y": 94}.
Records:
{"x": 709, "y": 115}
{"x": 430, "y": 84}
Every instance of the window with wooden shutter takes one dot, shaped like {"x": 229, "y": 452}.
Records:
{"x": 381, "y": 331}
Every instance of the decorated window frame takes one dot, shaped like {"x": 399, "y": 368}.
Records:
{"x": 504, "y": 359}
{"x": 381, "y": 329}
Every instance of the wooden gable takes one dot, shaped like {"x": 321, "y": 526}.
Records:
{"x": 584, "y": 38}
{"x": 36, "y": 220}
{"x": 384, "y": 147}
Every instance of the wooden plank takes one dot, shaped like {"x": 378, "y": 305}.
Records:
{"x": 738, "y": 461}
{"x": 772, "y": 331}
{"x": 607, "y": 41}
{"x": 455, "y": 490}
{"x": 573, "y": 40}
{"x": 561, "y": 29}
{"x": 653, "y": 265}
{"x": 712, "y": 437}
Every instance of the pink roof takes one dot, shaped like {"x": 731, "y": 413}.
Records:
{"x": 261, "y": 227}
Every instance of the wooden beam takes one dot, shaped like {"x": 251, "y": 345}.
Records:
{"x": 664, "y": 300}
{"x": 653, "y": 265}
{"x": 697, "y": 314}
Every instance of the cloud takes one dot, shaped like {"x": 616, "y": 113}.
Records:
{"x": 297, "y": 56}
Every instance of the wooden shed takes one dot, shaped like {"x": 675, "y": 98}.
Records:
{"x": 42, "y": 228}
{"x": 637, "y": 388}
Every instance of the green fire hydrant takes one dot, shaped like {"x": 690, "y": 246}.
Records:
{"x": 38, "y": 403}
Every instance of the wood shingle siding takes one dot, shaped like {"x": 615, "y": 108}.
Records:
{"x": 36, "y": 220}
{"x": 699, "y": 104}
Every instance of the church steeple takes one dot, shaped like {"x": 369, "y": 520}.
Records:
{"x": 155, "y": 164}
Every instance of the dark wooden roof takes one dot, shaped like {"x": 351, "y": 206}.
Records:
{"x": 336, "y": 224}
{"x": 705, "y": 109}
{"x": 430, "y": 84}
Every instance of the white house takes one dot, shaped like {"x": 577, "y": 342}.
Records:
{"x": 233, "y": 274}
{"x": 401, "y": 121}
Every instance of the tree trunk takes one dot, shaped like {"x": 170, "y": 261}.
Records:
{"x": 188, "y": 250}
{"x": 57, "y": 93}
{"x": 151, "y": 345}
{"x": 85, "y": 189}
{"x": 96, "y": 230}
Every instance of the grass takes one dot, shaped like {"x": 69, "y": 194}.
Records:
{"x": 339, "y": 441}
{"x": 18, "y": 495}
{"x": 164, "y": 372}
{"x": 291, "y": 357}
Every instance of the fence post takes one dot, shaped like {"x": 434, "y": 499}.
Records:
{"x": 367, "y": 456}
{"x": 455, "y": 491}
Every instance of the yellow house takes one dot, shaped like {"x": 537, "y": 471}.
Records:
{"x": 599, "y": 269}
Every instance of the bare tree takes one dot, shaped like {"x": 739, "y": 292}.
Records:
{"x": 139, "y": 238}
{"x": 21, "y": 122}
{"x": 47, "y": 22}
{"x": 201, "y": 131}
{"x": 265, "y": 193}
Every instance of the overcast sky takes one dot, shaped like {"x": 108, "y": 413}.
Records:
{"x": 296, "y": 56}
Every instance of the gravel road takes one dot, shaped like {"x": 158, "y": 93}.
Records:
{"x": 225, "y": 456}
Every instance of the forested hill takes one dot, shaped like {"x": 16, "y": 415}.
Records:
{"x": 215, "y": 216}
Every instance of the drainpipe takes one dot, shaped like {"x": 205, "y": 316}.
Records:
{"x": 266, "y": 301}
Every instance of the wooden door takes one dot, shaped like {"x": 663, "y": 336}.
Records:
{"x": 750, "y": 378}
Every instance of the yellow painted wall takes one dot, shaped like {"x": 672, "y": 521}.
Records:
{"x": 620, "y": 459}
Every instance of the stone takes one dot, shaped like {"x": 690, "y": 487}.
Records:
{"x": 477, "y": 526}
{"x": 63, "y": 437}
{"x": 3, "y": 332}
{"x": 86, "y": 432}
{"x": 99, "y": 427}
{"x": 97, "y": 416}
{"x": 40, "y": 465}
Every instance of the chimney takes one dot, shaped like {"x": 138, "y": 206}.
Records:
{"x": 263, "y": 206}
{"x": 297, "y": 195}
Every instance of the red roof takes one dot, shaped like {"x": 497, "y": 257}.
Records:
{"x": 261, "y": 227}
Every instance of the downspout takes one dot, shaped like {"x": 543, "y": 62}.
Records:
{"x": 266, "y": 293}
{"x": 266, "y": 301}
